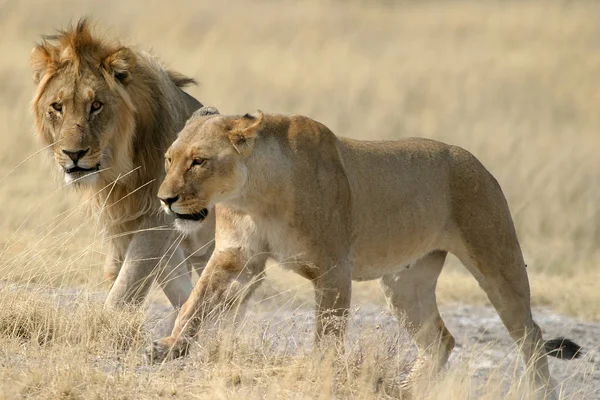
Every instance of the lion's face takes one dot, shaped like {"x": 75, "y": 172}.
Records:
{"x": 205, "y": 166}
{"x": 80, "y": 119}
{"x": 83, "y": 111}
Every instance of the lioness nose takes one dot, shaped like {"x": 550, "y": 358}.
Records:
{"x": 76, "y": 155}
{"x": 168, "y": 200}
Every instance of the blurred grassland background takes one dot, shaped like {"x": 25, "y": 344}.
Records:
{"x": 516, "y": 83}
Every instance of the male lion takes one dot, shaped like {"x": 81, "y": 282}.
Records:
{"x": 337, "y": 210}
{"x": 107, "y": 113}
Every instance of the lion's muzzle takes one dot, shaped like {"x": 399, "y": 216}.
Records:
{"x": 76, "y": 155}
{"x": 76, "y": 167}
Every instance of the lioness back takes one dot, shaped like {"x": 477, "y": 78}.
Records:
{"x": 402, "y": 199}
{"x": 408, "y": 195}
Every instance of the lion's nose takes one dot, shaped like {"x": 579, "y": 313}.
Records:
{"x": 168, "y": 200}
{"x": 76, "y": 155}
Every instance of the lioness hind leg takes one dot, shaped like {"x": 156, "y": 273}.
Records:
{"x": 504, "y": 279}
{"x": 486, "y": 242}
{"x": 411, "y": 295}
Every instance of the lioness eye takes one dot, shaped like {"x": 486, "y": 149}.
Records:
{"x": 57, "y": 106}
{"x": 97, "y": 105}
{"x": 198, "y": 161}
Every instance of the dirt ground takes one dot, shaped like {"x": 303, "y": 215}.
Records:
{"x": 483, "y": 345}
{"x": 49, "y": 353}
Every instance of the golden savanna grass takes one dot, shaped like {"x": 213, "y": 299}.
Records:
{"x": 515, "y": 83}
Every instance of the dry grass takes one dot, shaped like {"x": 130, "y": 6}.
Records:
{"x": 513, "y": 82}
{"x": 63, "y": 345}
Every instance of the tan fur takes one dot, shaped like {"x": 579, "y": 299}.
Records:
{"x": 337, "y": 209}
{"x": 142, "y": 109}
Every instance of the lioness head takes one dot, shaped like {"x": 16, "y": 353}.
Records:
{"x": 205, "y": 165}
{"x": 81, "y": 105}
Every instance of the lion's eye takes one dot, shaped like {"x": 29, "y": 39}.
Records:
{"x": 198, "y": 162}
{"x": 96, "y": 106}
{"x": 57, "y": 106}
{"x": 167, "y": 161}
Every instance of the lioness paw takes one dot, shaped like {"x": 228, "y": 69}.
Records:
{"x": 165, "y": 350}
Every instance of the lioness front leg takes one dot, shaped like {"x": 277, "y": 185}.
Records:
{"x": 229, "y": 278}
{"x": 333, "y": 291}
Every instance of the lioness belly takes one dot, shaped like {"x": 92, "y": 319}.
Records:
{"x": 394, "y": 253}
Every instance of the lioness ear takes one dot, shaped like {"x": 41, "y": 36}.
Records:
{"x": 242, "y": 136}
{"x": 40, "y": 61}
{"x": 120, "y": 64}
{"x": 204, "y": 111}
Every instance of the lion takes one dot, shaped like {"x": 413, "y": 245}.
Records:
{"x": 107, "y": 113}
{"x": 337, "y": 210}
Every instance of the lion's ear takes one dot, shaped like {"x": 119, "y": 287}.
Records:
{"x": 242, "y": 136}
{"x": 40, "y": 60}
{"x": 120, "y": 64}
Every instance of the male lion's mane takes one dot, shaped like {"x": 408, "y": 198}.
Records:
{"x": 126, "y": 190}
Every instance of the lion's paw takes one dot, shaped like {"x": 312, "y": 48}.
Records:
{"x": 165, "y": 349}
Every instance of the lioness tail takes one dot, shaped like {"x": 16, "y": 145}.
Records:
{"x": 562, "y": 348}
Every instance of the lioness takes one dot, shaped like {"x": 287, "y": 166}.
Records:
{"x": 108, "y": 113}
{"x": 337, "y": 210}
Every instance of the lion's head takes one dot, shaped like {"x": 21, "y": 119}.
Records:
{"x": 83, "y": 111}
{"x": 81, "y": 107}
{"x": 107, "y": 113}
{"x": 205, "y": 165}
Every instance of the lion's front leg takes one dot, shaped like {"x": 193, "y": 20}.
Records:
{"x": 228, "y": 280}
{"x": 111, "y": 271}
{"x": 115, "y": 254}
{"x": 151, "y": 254}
